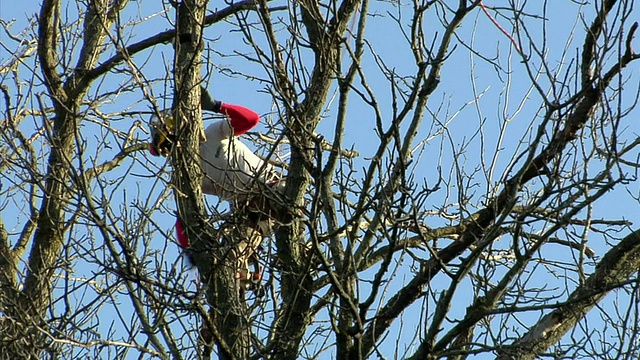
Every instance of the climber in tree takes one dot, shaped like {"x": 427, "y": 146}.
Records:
{"x": 232, "y": 172}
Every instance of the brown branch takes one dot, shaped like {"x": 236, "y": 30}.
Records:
{"x": 228, "y": 309}
{"x": 162, "y": 38}
{"x": 615, "y": 268}
{"x": 327, "y": 146}
{"x": 589, "y": 47}
{"x": 629, "y": 56}
{"x": 475, "y": 226}
{"x": 113, "y": 163}
{"x": 48, "y": 39}
{"x": 546, "y": 214}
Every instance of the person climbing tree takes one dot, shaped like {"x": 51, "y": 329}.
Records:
{"x": 232, "y": 172}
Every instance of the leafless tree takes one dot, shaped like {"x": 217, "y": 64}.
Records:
{"x": 461, "y": 180}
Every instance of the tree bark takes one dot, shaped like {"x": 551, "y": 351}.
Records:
{"x": 26, "y": 310}
{"x": 227, "y": 325}
{"x": 612, "y": 272}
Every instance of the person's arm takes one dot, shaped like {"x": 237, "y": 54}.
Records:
{"x": 241, "y": 118}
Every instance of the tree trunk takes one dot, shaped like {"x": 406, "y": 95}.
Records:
{"x": 228, "y": 327}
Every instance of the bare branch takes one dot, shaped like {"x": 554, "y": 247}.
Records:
{"x": 613, "y": 271}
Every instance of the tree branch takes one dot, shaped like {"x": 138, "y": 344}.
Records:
{"x": 163, "y": 38}
{"x": 615, "y": 268}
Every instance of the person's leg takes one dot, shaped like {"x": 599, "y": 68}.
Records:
{"x": 247, "y": 240}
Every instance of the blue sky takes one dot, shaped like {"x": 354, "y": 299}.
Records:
{"x": 464, "y": 77}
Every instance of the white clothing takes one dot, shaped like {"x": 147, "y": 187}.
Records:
{"x": 230, "y": 168}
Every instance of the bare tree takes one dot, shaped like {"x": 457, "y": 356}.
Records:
{"x": 461, "y": 179}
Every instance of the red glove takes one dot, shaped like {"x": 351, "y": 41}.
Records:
{"x": 182, "y": 235}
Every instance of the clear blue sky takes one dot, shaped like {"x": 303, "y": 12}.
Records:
{"x": 455, "y": 93}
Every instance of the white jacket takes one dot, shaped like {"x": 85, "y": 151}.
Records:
{"x": 230, "y": 168}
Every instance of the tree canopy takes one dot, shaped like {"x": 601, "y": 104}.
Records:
{"x": 461, "y": 180}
